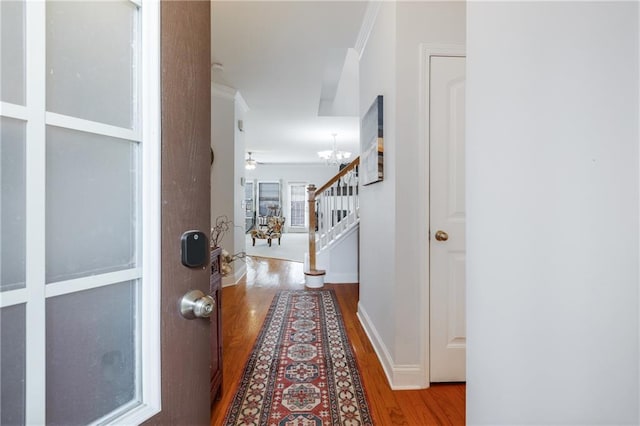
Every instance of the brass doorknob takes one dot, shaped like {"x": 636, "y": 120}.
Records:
{"x": 442, "y": 236}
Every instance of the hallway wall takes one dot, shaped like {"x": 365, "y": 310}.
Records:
{"x": 553, "y": 193}
{"x": 392, "y": 233}
{"x": 222, "y": 143}
{"x": 227, "y": 142}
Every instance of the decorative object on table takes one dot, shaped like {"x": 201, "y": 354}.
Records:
{"x": 218, "y": 231}
{"x": 227, "y": 259}
{"x": 273, "y": 230}
{"x": 372, "y": 144}
{"x": 302, "y": 369}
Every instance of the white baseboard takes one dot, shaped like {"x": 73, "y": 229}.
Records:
{"x": 400, "y": 377}
{"x": 236, "y": 277}
{"x": 376, "y": 342}
{"x": 296, "y": 230}
{"x": 408, "y": 377}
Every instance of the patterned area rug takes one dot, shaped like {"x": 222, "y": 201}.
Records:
{"x": 301, "y": 371}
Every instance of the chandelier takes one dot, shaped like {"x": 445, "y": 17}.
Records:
{"x": 334, "y": 157}
{"x": 250, "y": 163}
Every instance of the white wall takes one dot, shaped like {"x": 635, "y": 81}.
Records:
{"x": 222, "y": 171}
{"x": 552, "y": 193}
{"x": 239, "y": 243}
{"x": 393, "y": 233}
{"x": 340, "y": 259}
{"x": 317, "y": 174}
{"x": 376, "y": 306}
{"x": 228, "y": 167}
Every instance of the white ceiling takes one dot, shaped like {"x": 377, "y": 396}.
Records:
{"x": 282, "y": 57}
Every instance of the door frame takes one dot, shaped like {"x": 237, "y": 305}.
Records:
{"x": 185, "y": 163}
{"x": 427, "y": 50}
{"x": 150, "y": 290}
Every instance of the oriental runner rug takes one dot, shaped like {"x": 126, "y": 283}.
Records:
{"x": 301, "y": 371}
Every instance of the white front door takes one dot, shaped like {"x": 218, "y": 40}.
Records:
{"x": 79, "y": 257}
{"x": 447, "y": 219}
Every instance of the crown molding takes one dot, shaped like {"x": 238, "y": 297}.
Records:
{"x": 369, "y": 19}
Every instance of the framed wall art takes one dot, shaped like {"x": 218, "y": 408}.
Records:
{"x": 372, "y": 144}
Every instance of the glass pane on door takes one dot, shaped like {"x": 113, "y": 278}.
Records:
{"x": 12, "y": 58}
{"x": 91, "y": 357}
{"x": 90, "y": 60}
{"x": 298, "y": 201}
{"x": 90, "y": 204}
{"x": 70, "y": 210}
{"x": 12, "y": 204}
{"x": 12, "y": 365}
{"x": 249, "y": 209}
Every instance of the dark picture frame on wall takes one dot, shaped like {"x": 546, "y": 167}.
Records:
{"x": 372, "y": 144}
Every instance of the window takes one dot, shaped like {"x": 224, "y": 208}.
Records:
{"x": 269, "y": 199}
{"x": 298, "y": 205}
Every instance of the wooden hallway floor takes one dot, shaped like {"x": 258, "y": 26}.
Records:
{"x": 244, "y": 307}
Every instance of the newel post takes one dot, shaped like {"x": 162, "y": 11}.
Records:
{"x": 311, "y": 195}
{"x": 314, "y": 277}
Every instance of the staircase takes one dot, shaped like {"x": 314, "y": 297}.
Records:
{"x": 334, "y": 217}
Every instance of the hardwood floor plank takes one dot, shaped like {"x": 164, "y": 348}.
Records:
{"x": 244, "y": 308}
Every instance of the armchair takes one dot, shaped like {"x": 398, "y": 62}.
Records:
{"x": 272, "y": 231}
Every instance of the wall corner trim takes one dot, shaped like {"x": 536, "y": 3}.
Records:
{"x": 241, "y": 102}
{"x": 222, "y": 91}
{"x": 369, "y": 19}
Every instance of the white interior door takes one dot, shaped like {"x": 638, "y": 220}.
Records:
{"x": 79, "y": 258}
{"x": 447, "y": 219}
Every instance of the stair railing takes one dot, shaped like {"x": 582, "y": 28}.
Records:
{"x": 333, "y": 209}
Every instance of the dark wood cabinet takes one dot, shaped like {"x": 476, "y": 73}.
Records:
{"x": 215, "y": 289}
